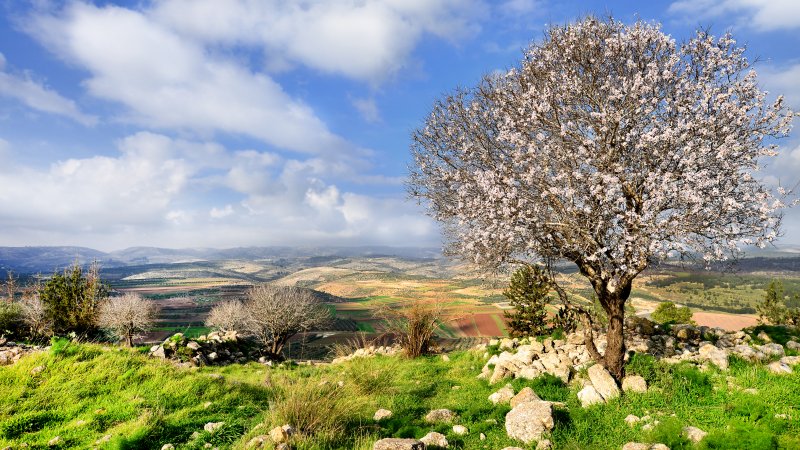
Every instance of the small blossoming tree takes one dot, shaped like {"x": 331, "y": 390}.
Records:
{"x": 610, "y": 146}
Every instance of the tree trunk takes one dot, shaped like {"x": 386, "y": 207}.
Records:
{"x": 614, "y": 357}
{"x": 129, "y": 340}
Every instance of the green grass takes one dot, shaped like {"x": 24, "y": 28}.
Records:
{"x": 145, "y": 403}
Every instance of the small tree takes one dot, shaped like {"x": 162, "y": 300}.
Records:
{"x": 772, "y": 309}
{"x": 35, "y": 317}
{"x": 228, "y": 316}
{"x": 527, "y": 294}
{"x": 668, "y": 312}
{"x": 72, "y": 299}
{"x": 276, "y": 313}
{"x": 127, "y": 316}
{"x": 610, "y": 146}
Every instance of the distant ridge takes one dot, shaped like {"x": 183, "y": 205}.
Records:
{"x": 35, "y": 259}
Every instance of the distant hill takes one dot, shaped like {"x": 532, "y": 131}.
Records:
{"x": 28, "y": 260}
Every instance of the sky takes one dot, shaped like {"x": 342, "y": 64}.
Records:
{"x": 206, "y": 123}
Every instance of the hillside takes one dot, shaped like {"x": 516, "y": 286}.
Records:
{"x": 87, "y": 395}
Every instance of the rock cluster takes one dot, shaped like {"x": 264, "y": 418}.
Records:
{"x": 11, "y": 352}
{"x": 216, "y": 348}
{"x": 369, "y": 352}
{"x": 526, "y": 358}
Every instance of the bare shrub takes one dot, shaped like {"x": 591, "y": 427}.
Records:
{"x": 276, "y": 313}
{"x": 35, "y": 317}
{"x": 126, "y": 316}
{"x": 414, "y": 325}
{"x": 227, "y": 316}
{"x": 316, "y": 410}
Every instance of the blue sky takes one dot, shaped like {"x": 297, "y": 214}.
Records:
{"x": 201, "y": 123}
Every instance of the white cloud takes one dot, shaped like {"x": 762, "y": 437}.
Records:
{"x": 361, "y": 39}
{"x": 367, "y": 108}
{"x": 763, "y": 15}
{"x": 782, "y": 81}
{"x": 168, "y": 81}
{"x": 37, "y": 96}
{"x": 156, "y": 189}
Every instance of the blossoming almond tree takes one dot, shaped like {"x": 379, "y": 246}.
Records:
{"x": 610, "y": 146}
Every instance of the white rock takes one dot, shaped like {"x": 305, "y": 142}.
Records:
{"x": 779, "y": 368}
{"x": 603, "y": 382}
{"x": 589, "y": 396}
{"x": 635, "y": 446}
{"x": 631, "y": 419}
{"x": 634, "y": 383}
{"x": 213, "y": 426}
{"x": 398, "y": 444}
{"x": 440, "y": 415}
{"x": 434, "y": 438}
{"x": 382, "y": 414}
{"x": 694, "y": 434}
{"x": 715, "y": 355}
{"x": 544, "y": 444}
{"x": 502, "y": 395}
{"x": 525, "y": 395}
{"x": 529, "y": 421}
{"x": 460, "y": 430}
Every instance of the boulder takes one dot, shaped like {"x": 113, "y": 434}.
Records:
{"x": 790, "y": 360}
{"x": 382, "y": 414}
{"x": 779, "y": 368}
{"x": 460, "y": 430}
{"x": 694, "y": 434}
{"x": 525, "y": 395}
{"x": 529, "y": 421}
{"x": 772, "y": 349}
{"x": 793, "y": 345}
{"x": 634, "y": 383}
{"x": 603, "y": 382}
{"x": 502, "y": 395}
{"x": 398, "y": 444}
{"x": 715, "y": 355}
{"x": 589, "y": 396}
{"x": 440, "y": 415}
{"x": 278, "y": 435}
{"x": 434, "y": 438}
{"x": 748, "y": 353}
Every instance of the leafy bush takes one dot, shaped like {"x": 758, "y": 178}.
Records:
{"x": 668, "y": 312}
{"x": 72, "y": 300}
{"x": 10, "y": 318}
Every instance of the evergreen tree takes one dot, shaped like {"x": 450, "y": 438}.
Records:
{"x": 527, "y": 294}
{"x": 772, "y": 308}
{"x": 72, "y": 299}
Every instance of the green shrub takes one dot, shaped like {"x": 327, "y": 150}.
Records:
{"x": 668, "y": 312}
{"x": 527, "y": 294}
{"x": 72, "y": 300}
{"x": 10, "y": 318}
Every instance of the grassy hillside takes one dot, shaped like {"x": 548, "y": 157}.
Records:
{"x": 91, "y": 395}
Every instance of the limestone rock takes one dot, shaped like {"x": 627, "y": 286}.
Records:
{"x": 398, "y": 444}
{"x": 589, "y": 396}
{"x": 793, "y": 345}
{"x": 167, "y": 447}
{"x": 779, "y": 368}
{"x": 772, "y": 349}
{"x": 434, "y": 438}
{"x": 440, "y": 415}
{"x": 603, "y": 382}
{"x": 715, "y": 355}
{"x": 55, "y": 441}
{"x": 502, "y": 395}
{"x": 544, "y": 444}
{"x": 659, "y": 447}
{"x": 635, "y": 446}
{"x": 213, "y": 426}
{"x": 694, "y": 434}
{"x": 382, "y": 414}
{"x": 529, "y": 421}
{"x": 278, "y": 435}
{"x": 790, "y": 360}
{"x": 631, "y": 419}
{"x": 460, "y": 430}
{"x": 634, "y": 383}
{"x": 525, "y": 395}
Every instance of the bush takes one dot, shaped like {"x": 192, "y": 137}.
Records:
{"x": 227, "y": 316}
{"x": 126, "y": 316}
{"x": 414, "y": 325}
{"x": 11, "y": 318}
{"x": 314, "y": 409}
{"x": 668, "y": 312}
{"x": 72, "y": 300}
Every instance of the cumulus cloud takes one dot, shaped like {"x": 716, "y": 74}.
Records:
{"x": 159, "y": 187}
{"x": 36, "y": 95}
{"x": 763, "y": 15}
{"x": 170, "y": 82}
{"x": 361, "y": 39}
